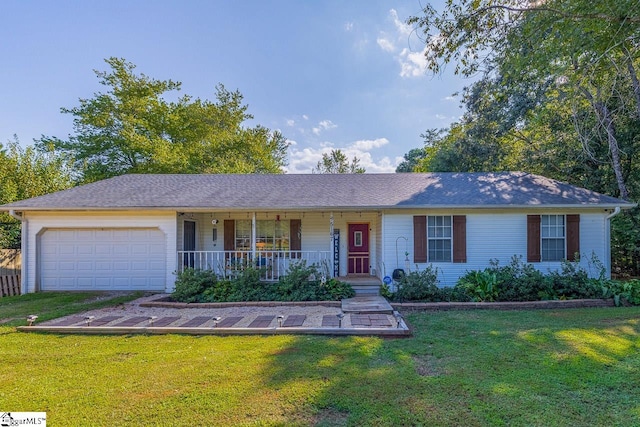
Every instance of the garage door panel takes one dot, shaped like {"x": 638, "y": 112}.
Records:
{"x": 102, "y": 259}
{"x": 66, "y": 249}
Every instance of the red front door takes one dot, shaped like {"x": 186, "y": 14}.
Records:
{"x": 358, "y": 257}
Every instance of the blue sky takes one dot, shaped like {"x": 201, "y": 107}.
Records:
{"x": 328, "y": 74}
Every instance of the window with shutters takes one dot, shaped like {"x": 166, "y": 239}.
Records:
{"x": 553, "y": 237}
{"x": 439, "y": 238}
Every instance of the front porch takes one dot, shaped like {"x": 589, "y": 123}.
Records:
{"x": 339, "y": 244}
{"x": 272, "y": 264}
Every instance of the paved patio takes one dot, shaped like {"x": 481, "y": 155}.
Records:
{"x": 155, "y": 315}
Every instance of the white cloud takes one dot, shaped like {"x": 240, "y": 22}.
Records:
{"x": 450, "y": 98}
{"x": 348, "y": 26}
{"x": 304, "y": 116}
{"x": 440, "y": 117}
{"x": 402, "y": 28}
{"x": 305, "y": 159}
{"x": 386, "y": 44}
{"x": 368, "y": 144}
{"x": 412, "y": 64}
{"x": 324, "y": 125}
{"x": 291, "y": 122}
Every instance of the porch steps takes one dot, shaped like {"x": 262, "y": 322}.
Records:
{"x": 363, "y": 285}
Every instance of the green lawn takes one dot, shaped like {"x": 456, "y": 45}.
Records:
{"x": 567, "y": 367}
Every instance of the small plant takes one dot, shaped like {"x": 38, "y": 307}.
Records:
{"x": 480, "y": 285}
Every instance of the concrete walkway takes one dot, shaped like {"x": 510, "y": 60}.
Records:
{"x": 151, "y": 315}
{"x": 367, "y": 304}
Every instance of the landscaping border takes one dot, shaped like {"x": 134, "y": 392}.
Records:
{"x": 166, "y": 302}
{"x": 509, "y": 305}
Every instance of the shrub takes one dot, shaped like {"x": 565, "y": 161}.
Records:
{"x": 622, "y": 291}
{"x": 191, "y": 284}
{"x": 480, "y": 285}
{"x": 337, "y": 290}
{"x": 246, "y": 286}
{"x": 572, "y": 281}
{"x": 517, "y": 281}
{"x": 305, "y": 283}
{"x": 302, "y": 283}
{"x": 419, "y": 286}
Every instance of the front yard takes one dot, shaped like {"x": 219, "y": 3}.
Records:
{"x": 565, "y": 367}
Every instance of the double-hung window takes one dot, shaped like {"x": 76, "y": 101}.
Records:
{"x": 552, "y": 228}
{"x": 439, "y": 238}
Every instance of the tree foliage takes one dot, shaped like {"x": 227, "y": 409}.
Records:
{"x": 133, "y": 128}
{"x": 337, "y": 162}
{"x": 588, "y": 49}
{"x": 26, "y": 173}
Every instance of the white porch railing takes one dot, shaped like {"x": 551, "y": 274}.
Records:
{"x": 272, "y": 264}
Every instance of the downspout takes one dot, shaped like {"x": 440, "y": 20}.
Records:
{"x": 253, "y": 238}
{"x": 331, "y": 237}
{"x": 607, "y": 239}
{"x": 23, "y": 249}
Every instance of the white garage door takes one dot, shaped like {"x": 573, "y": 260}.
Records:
{"x": 103, "y": 259}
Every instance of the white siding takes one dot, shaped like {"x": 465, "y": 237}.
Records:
{"x": 490, "y": 235}
{"x": 39, "y": 222}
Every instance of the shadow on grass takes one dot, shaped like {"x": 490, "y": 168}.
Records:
{"x": 489, "y": 368}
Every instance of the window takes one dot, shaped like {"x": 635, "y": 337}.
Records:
{"x": 271, "y": 235}
{"x": 357, "y": 238}
{"x": 439, "y": 234}
{"x": 243, "y": 235}
{"x": 552, "y": 230}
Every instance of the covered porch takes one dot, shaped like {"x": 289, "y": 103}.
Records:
{"x": 339, "y": 244}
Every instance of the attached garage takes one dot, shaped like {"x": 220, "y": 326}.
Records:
{"x": 102, "y": 259}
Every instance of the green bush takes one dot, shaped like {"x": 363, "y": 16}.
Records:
{"x": 517, "y": 281}
{"x": 337, "y": 290}
{"x": 480, "y": 285}
{"x": 302, "y": 283}
{"x": 419, "y": 286}
{"x": 572, "y": 281}
{"x": 191, "y": 285}
{"x": 622, "y": 292}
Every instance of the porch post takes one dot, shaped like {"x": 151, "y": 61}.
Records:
{"x": 253, "y": 236}
{"x": 331, "y": 243}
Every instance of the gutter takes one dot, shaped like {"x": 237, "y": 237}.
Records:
{"x": 23, "y": 249}
{"x": 615, "y": 212}
{"x": 318, "y": 208}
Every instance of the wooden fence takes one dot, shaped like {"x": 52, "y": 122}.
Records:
{"x": 10, "y": 270}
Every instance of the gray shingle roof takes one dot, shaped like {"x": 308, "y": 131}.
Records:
{"x": 317, "y": 191}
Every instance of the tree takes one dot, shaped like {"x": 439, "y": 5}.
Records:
{"x": 578, "y": 43}
{"x": 132, "y": 128}
{"x": 411, "y": 160}
{"x": 26, "y": 173}
{"x": 337, "y": 162}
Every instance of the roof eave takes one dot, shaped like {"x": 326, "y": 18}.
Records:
{"x": 625, "y": 205}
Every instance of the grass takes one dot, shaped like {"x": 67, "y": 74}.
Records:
{"x": 51, "y": 305}
{"x": 476, "y": 368}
